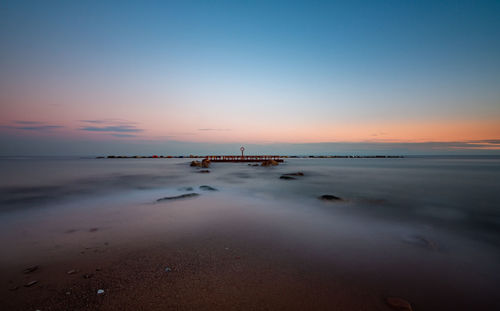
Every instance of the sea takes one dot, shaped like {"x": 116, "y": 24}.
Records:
{"x": 429, "y": 224}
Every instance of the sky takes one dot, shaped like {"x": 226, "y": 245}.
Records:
{"x": 299, "y": 77}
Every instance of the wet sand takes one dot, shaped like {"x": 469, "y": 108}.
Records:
{"x": 236, "y": 256}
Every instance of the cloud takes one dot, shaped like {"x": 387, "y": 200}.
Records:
{"x": 471, "y": 144}
{"x": 211, "y": 129}
{"x": 38, "y": 127}
{"x": 31, "y": 126}
{"x": 28, "y": 122}
{"x": 112, "y": 128}
{"x": 110, "y": 121}
{"x": 123, "y": 135}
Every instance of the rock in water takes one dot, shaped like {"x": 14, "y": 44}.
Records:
{"x": 204, "y": 171}
{"x": 294, "y": 174}
{"x": 205, "y": 163}
{"x": 207, "y": 188}
{"x": 285, "y": 177}
{"x": 195, "y": 163}
{"x": 182, "y": 196}
{"x": 399, "y": 304}
{"x": 269, "y": 163}
{"x": 329, "y": 197}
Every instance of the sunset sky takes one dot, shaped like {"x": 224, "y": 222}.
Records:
{"x": 84, "y": 77}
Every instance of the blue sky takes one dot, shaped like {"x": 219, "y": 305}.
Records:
{"x": 256, "y": 72}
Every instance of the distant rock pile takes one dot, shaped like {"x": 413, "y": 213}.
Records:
{"x": 269, "y": 163}
{"x": 205, "y": 163}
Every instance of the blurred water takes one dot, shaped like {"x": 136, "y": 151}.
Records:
{"x": 458, "y": 193}
{"x": 413, "y": 225}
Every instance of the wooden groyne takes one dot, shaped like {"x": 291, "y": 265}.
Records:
{"x": 244, "y": 158}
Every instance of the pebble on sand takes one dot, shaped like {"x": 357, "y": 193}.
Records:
{"x": 30, "y": 269}
{"x": 31, "y": 283}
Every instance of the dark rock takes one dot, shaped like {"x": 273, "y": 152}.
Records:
{"x": 204, "y": 171}
{"x": 205, "y": 163}
{"x": 207, "y": 188}
{"x": 195, "y": 163}
{"x": 398, "y": 304}
{"x": 285, "y": 177}
{"x": 294, "y": 174}
{"x": 269, "y": 163}
{"x": 93, "y": 229}
{"x": 182, "y": 196}
{"x": 31, "y": 269}
{"x": 31, "y": 283}
{"x": 329, "y": 197}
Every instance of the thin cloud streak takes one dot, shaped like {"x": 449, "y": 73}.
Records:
{"x": 31, "y": 126}
{"x": 211, "y": 129}
{"x": 116, "y": 128}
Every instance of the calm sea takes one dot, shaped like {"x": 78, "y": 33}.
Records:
{"x": 436, "y": 216}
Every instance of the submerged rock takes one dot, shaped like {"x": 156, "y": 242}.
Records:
{"x": 329, "y": 197}
{"x": 205, "y": 163}
{"x": 286, "y": 177}
{"x": 204, "y": 171}
{"x": 398, "y": 304}
{"x": 182, "y": 196}
{"x": 269, "y": 163}
{"x": 207, "y": 188}
{"x": 195, "y": 163}
{"x": 294, "y": 174}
